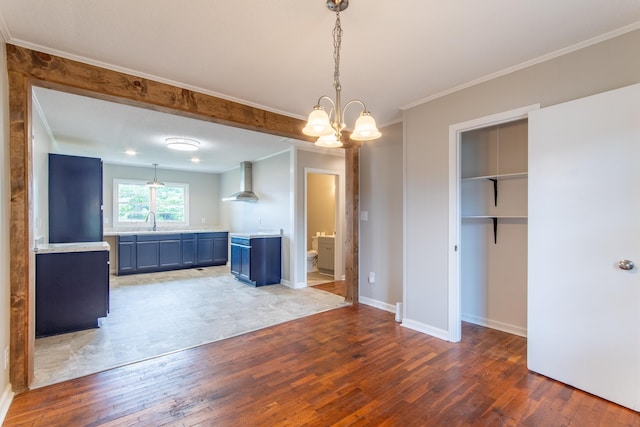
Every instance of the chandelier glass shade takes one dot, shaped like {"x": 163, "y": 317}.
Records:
{"x": 328, "y": 127}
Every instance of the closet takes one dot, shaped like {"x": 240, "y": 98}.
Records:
{"x": 493, "y": 202}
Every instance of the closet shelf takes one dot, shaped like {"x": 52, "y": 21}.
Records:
{"x": 499, "y": 176}
{"x": 494, "y": 216}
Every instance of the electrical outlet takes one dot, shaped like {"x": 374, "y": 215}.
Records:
{"x": 372, "y": 277}
{"x": 204, "y": 220}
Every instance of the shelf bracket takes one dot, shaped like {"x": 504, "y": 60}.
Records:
{"x": 495, "y": 190}
{"x": 495, "y": 230}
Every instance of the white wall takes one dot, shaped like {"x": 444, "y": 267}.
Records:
{"x": 381, "y": 235}
{"x": 204, "y": 196}
{"x": 604, "y": 66}
{"x": 43, "y": 144}
{"x": 5, "y": 232}
{"x": 271, "y": 183}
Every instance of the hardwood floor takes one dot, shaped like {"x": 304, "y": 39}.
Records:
{"x": 338, "y": 287}
{"x": 349, "y": 366}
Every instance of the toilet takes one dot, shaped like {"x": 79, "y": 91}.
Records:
{"x": 312, "y": 255}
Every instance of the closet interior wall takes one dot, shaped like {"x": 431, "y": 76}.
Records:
{"x": 494, "y": 227}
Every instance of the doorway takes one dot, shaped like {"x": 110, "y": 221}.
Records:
{"x": 321, "y": 226}
{"x": 489, "y": 193}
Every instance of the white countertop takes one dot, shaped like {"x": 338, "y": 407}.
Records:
{"x": 108, "y": 233}
{"x": 50, "y": 248}
{"x": 256, "y": 235}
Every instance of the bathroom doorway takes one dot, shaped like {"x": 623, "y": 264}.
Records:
{"x": 321, "y": 226}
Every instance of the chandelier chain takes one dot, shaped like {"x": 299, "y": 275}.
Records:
{"x": 337, "y": 43}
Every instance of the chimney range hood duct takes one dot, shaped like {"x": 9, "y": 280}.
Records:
{"x": 246, "y": 186}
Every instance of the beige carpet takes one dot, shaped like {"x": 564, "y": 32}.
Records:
{"x": 158, "y": 313}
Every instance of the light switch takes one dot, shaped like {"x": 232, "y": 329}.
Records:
{"x": 364, "y": 215}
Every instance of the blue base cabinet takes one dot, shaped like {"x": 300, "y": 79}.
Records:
{"x": 257, "y": 261}
{"x": 72, "y": 291}
{"x": 143, "y": 253}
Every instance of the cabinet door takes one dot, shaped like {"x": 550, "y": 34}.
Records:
{"x": 220, "y": 250}
{"x": 170, "y": 253}
{"x": 75, "y": 199}
{"x": 245, "y": 263}
{"x": 126, "y": 257}
{"x": 147, "y": 255}
{"x": 188, "y": 252}
{"x": 205, "y": 250}
{"x": 236, "y": 259}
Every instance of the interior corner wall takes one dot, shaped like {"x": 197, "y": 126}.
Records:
{"x": 5, "y": 233}
{"x": 604, "y": 66}
{"x": 381, "y": 234}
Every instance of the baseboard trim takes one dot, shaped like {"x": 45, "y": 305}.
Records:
{"x": 426, "y": 329}
{"x": 377, "y": 304}
{"x": 494, "y": 324}
{"x": 5, "y": 402}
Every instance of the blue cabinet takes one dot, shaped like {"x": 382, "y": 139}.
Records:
{"x": 188, "y": 249}
{"x": 257, "y": 260}
{"x": 126, "y": 254}
{"x": 160, "y": 252}
{"x": 72, "y": 291}
{"x": 212, "y": 248}
{"x": 75, "y": 199}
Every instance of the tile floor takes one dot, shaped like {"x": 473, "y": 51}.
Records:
{"x": 158, "y": 313}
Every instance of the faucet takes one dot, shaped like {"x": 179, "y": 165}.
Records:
{"x": 155, "y": 227}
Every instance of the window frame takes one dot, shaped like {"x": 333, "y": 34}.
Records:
{"x": 152, "y": 204}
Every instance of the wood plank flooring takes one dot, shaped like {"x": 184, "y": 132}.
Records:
{"x": 338, "y": 287}
{"x": 350, "y": 366}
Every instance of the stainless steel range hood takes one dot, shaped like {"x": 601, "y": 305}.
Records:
{"x": 246, "y": 193}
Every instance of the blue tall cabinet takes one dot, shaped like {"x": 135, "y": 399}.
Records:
{"x": 75, "y": 199}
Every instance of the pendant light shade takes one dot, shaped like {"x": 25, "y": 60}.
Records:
{"x": 155, "y": 183}
{"x": 318, "y": 123}
{"x": 365, "y": 129}
{"x": 330, "y": 141}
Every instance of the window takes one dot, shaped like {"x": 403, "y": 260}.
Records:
{"x": 133, "y": 201}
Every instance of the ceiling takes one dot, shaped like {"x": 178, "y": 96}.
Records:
{"x": 278, "y": 55}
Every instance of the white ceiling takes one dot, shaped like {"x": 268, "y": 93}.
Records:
{"x": 278, "y": 55}
{"x": 83, "y": 126}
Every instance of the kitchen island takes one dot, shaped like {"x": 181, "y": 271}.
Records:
{"x": 72, "y": 286}
{"x": 256, "y": 258}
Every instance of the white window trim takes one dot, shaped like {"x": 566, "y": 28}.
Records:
{"x": 137, "y": 224}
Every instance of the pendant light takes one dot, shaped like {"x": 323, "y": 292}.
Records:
{"x": 328, "y": 127}
{"x": 155, "y": 183}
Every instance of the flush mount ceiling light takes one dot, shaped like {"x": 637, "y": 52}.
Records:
{"x": 155, "y": 183}
{"x": 183, "y": 144}
{"x": 328, "y": 127}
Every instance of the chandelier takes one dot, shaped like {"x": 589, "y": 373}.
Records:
{"x": 328, "y": 127}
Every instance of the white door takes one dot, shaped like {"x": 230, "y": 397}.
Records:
{"x": 584, "y": 217}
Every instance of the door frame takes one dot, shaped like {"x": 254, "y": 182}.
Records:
{"x": 27, "y": 68}
{"x": 455, "y": 138}
{"x": 338, "y": 254}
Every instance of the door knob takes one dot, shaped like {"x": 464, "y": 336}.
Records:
{"x": 625, "y": 264}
